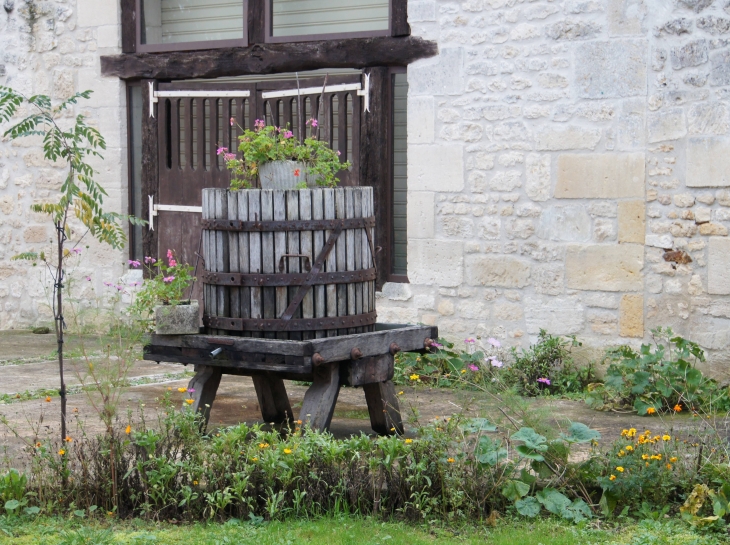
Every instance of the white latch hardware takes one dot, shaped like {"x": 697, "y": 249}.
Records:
{"x": 155, "y": 95}
{"x": 154, "y": 208}
{"x": 363, "y": 92}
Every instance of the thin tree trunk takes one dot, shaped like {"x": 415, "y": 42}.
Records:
{"x": 60, "y": 233}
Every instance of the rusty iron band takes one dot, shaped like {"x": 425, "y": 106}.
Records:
{"x": 306, "y": 324}
{"x": 287, "y": 279}
{"x": 293, "y": 225}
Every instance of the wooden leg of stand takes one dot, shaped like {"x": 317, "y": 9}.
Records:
{"x": 204, "y": 385}
{"x": 384, "y": 409}
{"x": 319, "y": 401}
{"x": 274, "y": 402}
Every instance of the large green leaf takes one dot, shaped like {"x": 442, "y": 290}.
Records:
{"x": 528, "y": 507}
{"x": 514, "y": 490}
{"x": 577, "y": 511}
{"x": 534, "y": 443}
{"x": 490, "y": 452}
{"x": 580, "y": 433}
{"x": 475, "y": 425}
{"x": 554, "y": 501}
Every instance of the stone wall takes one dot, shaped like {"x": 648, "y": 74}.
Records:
{"x": 53, "y": 48}
{"x": 569, "y": 169}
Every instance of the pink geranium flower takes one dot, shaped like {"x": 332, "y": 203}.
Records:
{"x": 221, "y": 150}
{"x": 288, "y": 134}
{"x": 473, "y": 367}
{"x": 232, "y": 121}
{"x": 150, "y": 260}
{"x": 494, "y": 342}
{"x": 168, "y": 279}
{"x": 545, "y": 381}
{"x": 77, "y": 251}
{"x": 134, "y": 263}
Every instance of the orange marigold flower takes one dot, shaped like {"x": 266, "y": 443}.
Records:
{"x": 189, "y": 401}
{"x": 451, "y": 460}
{"x": 128, "y": 430}
{"x": 37, "y": 445}
{"x": 61, "y": 452}
{"x": 678, "y": 408}
{"x": 629, "y": 448}
{"x": 182, "y": 390}
{"x": 666, "y": 437}
{"x": 287, "y": 451}
{"x": 409, "y": 441}
{"x": 612, "y": 478}
{"x": 673, "y": 459}
{"x": 619, "y": 469}
{"x": 650, "y": 410}
{"x": 48, "y": 399}
{"x": 68, "y": 439}
{"x": 669, "y": 466}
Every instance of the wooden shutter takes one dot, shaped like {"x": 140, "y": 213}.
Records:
{"x": 400, "y": 184}
{"x": 182, "y": 21}
{"x": 314, "y": 17}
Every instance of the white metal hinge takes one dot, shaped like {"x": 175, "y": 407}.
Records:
{"x": 365, "y": 93}
{"x": 156, "y": 95}
{"x": 154, "y": 208}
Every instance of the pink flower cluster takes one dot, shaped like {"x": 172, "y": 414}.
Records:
{"x": 171, "y": 259}
{"x": 150, "y": 260}
{"x": 494, "y": 361}
{"x": 134, "y": 263}
{"x": 168, "y": 279}
{"x": 259, "y": 124}
{"x": 313, "y": 122}
{"x": 227, "y": 156}
{"x": 545, "y": 381}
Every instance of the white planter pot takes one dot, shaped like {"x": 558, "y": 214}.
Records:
{"x": 281, "y": 175}
{"x": 177, "y": 319}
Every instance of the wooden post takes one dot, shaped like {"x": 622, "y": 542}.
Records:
{"x": 273, "y": 400}
{"x": 384, "y": 408}
{"x": 205, "y": 385}
{"x": 319, "y": 400}
{"x": 150, "y": 167}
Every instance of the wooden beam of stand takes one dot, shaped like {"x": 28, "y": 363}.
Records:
{"x": 270, "y": 58}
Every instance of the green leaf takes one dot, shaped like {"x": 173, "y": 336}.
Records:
{"x": 80, "y": 513}
{"x": 554, "y": 501}
{"x": 577, "y": 511}
{"x": 32, "y": 510}
{"x": 580, "y": 433}
{"x": 694, "y": 378}
{"x": 12, "y": 505}
{"x": 514, "y": 490}
{"x": 528, "y": 507}
{"x": 475, "y": 425}
{"x": 534, "y": 443}
{"x": 490, "y": 452}
{"x": 607, "y": 503}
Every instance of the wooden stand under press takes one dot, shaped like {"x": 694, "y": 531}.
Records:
{"x": 363, "y": 359}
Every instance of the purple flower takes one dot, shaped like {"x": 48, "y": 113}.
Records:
{"x": 473, "y": 367}
{"x": 168, "y": 279}
{"x": 495, "y": 362}
{"x": 88, "y": 279}
{"x": 288, "y": 134}
{"x": 221, "y": 150}
{"x": 150, "y": 260}
{"x": 232, "y": 122}
{"x": 338, "y": 152}
{"x": 77, "y": 251}
{"x": 229, "y": 156}
{"x": 436, "y": 345}
{"x": 259, "y": 124}
{"x": 545, "y": 381}
{"x": 119, "y": 288}
{"x": 313, "y": 122}
{"x": 494, "y": 342}
{"x": 191, "y": 390}
{"x": 469, "y": 341}
{"x": 135, "y": 284}
{"x": 134, "y": 263}
{"x": 108, "y": 284}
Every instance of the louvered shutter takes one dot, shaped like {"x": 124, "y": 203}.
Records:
{"x": 180, "y": 21}
{"x": 308, "y": 17}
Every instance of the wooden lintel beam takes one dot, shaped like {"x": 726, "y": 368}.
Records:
{"x": 269, "y": 58}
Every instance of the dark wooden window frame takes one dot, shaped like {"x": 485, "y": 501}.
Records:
{"x": 271, "y": 39}
{"x": 256, "y": 30}
{"x": 390, "y": 180}
{"x": 131, "y": 239}
{"x": 137, "y": 18}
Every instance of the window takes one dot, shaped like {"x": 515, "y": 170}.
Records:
{"x": 134, "y": 162}
{"x": 169, "y": 25}
{"x": 400, "y": 185}
{"x": 297, "y": 20}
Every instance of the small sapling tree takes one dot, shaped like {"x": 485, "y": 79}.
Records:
{"x": 80, "y": 195}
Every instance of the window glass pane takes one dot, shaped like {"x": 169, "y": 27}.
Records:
{"x": 307, "y": 17}
{"x": 400, "y": 185}
{"x": 177, "y": 21}
{"x": 135, "y": 167}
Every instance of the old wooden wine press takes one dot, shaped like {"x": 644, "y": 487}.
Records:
{"x": 289, "y": 293}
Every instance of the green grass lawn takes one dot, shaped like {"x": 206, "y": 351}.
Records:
{"x": 337, "y": 531}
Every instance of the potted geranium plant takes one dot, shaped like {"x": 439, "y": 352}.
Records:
{"x": 277, "y": 160}
{"x": 161, "y": 296}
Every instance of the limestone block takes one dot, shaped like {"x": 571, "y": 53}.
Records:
{"x": 435, "y": 262}
{"x": 510, "y": 312}
{"x": 600, "y": 176}
{"x": 442, "y": 76}
{"x": 696, "y": 5}
{"x": 421, "y": 11}
{"x": 602, "y": 321}
{"x": 93, "y": 13}
{"x": 570, "y": 223}
{"x": 708, "y": 162}
{"x": 489, "y": 228}
{"x": 713, "y": 229}
{"x": 421, "y": 120}
{"x": 694, "y": 53}
{"x": 474, "y": 309}
{"x": 703, "y": 215}
{"x": 559, "y": 315}
{"x": 436, "y": 167}
{"x": 718, "y": 266}
{"x": 631, "y": 316}
{"x": 35, "y": 234}
{"x": 446, "y": 307}
{"x": 666, "y": 125}
{"x": 6, "y": 205}
{"x": 611, "y": 69}
{"x": 708, "y": 118}
{"x": 457, "y": 226}
{"x": 396, "y": 291}
{"x": 604, "y": 267}
{"x": 107, "y": 91}
{"x": 720, "y": 72}
{"x": 625, "y": 17}
{"x": 631, "y": 221}
{"x": 421, "y": 214}
{"x": 467, "y": 132}
{"x": 506, "y": 181}
{"x": 549, "y": 278}
{"x": 676, "y": 27}
{"x": 499, "y": 271}
{"x": 556, "y": 138}
{"x": 601, "y": 300}
{"x": 63, "y": 84}
{"x": 569, "y": 29}
{"x": 537, "y": 171}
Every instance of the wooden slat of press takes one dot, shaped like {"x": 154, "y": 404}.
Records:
{"x": 350, "y": 238}
{"x": 342, "y": 124}
{"x": 330, "y": 289}
{"x": 292, "y": 239}
{"x": 367, "y": 260}
{"x": 371, "y": 200}
{"x": 254, "y": 214}
{"x": 221, "y": 252}
{"x": 357, "y": 234}
{"x": 244, "y": 256}
{"x": 189, "y": 134}
{"x": 320, "y": 309}
{"x": 207, "y": 289}
{"x": 213, "y": 139}
{"x": 226, "y": 116}
{"x": 200, "y": 130}
{"x": 267, "y": 256}
{"x": 287, "y": 121}
{"x": 341, "y": 252}
{"x": 211, "y": 260}
{"x": 305, "y": 247}
{"x": 234, "y": 294}
{"x": 281, "y": 293}
{"x": 175, "y": 133}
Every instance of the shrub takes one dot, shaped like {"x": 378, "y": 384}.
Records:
{"x": 658, "y": 378}
{"x": 547, "y": 367}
